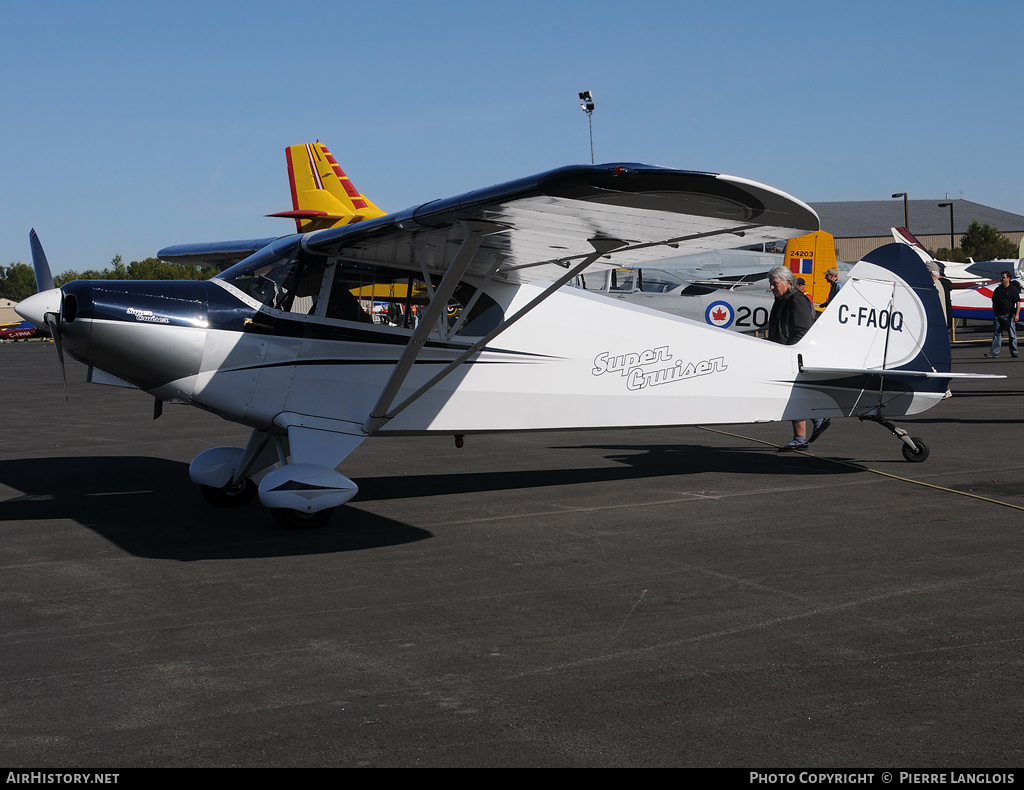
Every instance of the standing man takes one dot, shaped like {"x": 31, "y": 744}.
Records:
{"x": 832, "y": 278}
{"x": 1005, "y": 312}
{"x": 792, "y": 315}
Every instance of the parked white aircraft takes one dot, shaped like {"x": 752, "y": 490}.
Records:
{"x": 968, "y": 299}
{"x": 741, "y": 307}
{"x": 280, "y": 342}
{"x": 965, "y": 275}
{"x": 735, "y": 303}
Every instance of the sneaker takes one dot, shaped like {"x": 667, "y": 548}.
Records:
{"x": 991, "y": 356}
{"x": 1014, "y": 355}
{"x": 798, "y": 443}
{"x": 820, "y": 426}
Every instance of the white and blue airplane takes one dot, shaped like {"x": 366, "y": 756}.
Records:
{"x": 489, "y": 340}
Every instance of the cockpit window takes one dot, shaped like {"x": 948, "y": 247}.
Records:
{"x": 371, "y": 294}
{"x": 284, "y": 277}
{"x": 659, "y": 281}
{"x": 626, "y": 280}
{"x": 394, "y": 297}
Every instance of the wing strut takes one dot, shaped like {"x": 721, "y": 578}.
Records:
{"x": 377, "y": 419}
{"x": 475, "y": 232}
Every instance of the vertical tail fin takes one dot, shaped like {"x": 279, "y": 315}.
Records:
{"x": 810, "y": 257}
{"x": 887, "y": 316}
{"x": 322, "y": 195}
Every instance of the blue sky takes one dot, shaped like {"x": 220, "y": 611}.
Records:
{"x": 127, "y": 127}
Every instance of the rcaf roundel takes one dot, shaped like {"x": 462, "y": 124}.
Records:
{"x": 720, "y": 314}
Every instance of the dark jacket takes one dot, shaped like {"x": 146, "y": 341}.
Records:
{"x": 792, "y": 315}
{"x": 1005, "y": 299}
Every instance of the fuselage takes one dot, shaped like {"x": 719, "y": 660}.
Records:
{"x": 577, "y": 361}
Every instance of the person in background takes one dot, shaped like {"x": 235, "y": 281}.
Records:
{"x": 832, "y": 278}
{"x": 933, "y": 268}
{"x": 791, "y": 316}
{"x": 1005, "y": 314}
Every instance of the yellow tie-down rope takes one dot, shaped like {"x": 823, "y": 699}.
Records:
{"x": 868, "y": 469}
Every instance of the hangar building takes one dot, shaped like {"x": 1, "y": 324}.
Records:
{"x": 861, "y": 226}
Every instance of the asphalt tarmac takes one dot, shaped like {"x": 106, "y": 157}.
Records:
{"x": 671, "y": 597}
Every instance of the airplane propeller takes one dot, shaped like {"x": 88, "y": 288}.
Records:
{"x": 44, "y": 280}
{"x": 52, "y": 319}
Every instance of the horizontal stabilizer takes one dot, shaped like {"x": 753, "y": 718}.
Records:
{"x": 220, "y": 254}
{"x": 302, "y": 214}
{"x": 897, "y": 373}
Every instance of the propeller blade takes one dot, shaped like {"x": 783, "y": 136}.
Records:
{"x": 47, "y": 297}
{"x": 53, "y": 324}
{"x": 44, "y": 280}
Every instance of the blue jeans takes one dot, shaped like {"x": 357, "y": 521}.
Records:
{"x": 1000, "y": 324}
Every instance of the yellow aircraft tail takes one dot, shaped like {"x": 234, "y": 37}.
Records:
{"x": 322, "y": 195}
{"x": 810, "y": 257}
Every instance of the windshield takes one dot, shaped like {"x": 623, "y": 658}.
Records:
{"x": 285, "y": 277}
{"x": 280, "y": 276}
{"x": 659, "y": 281}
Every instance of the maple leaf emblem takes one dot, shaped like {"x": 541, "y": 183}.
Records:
{"x": 719, "y": 314}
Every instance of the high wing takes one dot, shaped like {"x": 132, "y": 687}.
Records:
{"x": 536, "y": 228}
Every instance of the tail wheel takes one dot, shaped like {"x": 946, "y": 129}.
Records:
{"x": 232, "y": 495}
{"x": 922, "y": 450}
{"x": 297, "y": 519}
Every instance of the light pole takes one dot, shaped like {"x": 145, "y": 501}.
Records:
{"x": 943, "y": 205}
{"x": 588, "y": 107}
{"x": 906, "y": 209}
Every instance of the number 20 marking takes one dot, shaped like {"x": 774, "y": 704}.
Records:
{"x": 743, "y": 315}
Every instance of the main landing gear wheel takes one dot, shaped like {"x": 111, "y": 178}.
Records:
{"x": 920, "y": 455}
{"x": 297, "y": 519}
{"x": 231, "y": 495}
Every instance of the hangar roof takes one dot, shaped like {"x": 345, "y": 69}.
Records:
{"x": 860, "y": 218}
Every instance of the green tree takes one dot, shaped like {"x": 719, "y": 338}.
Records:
{"x": 946, "y": 254}
{"x": 986, "y": 243}
{"x": 65, "y": 277}
{"x": 17, "y": 281}
{"x": 89, "y": 274}
{"x": 148, "y": 269}
{"x": 156, "y": 269}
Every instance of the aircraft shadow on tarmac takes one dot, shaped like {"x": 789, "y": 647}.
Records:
{"x": 148, "y": 507}
{"x": 635, "y": 462}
